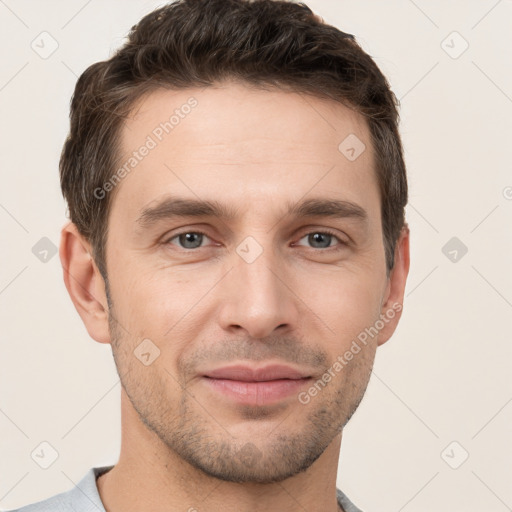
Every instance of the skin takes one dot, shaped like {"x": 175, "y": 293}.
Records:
{"x": 300, "y": 302}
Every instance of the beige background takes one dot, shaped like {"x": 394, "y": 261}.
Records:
{"x": 445, "y": 374}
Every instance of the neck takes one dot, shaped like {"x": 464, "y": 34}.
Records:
{"x": 149, "y": 475}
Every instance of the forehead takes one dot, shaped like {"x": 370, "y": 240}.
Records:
{"x": 230, "y": 142}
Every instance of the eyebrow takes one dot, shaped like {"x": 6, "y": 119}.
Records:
{"x": 172, "y": 207}
{"x": 334, "y": 208}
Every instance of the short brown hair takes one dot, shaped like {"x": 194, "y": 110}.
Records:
{"x": 195, "y": 43}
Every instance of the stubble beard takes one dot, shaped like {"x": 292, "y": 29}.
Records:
{"x": 190, "y": 431}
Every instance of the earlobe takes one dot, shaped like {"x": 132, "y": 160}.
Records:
{"x": 84, "y": 283}
{"x": 393, "y": 304}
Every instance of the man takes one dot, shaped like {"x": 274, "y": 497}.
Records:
{"x": 236, "y": 189}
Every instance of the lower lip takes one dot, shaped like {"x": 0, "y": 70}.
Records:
{"x": 256, "y": 393}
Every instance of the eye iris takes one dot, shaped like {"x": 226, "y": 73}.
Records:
{"x": 191, "y": 240}
{"x": 320, "y": 239}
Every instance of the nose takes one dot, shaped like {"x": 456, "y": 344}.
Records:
{"x": 258, "y": 298}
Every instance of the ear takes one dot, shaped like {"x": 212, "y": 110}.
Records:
{"x": 392, "y": 304}
{"x": 84, "y": 283}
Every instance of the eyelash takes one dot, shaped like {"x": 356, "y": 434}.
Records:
{"x": 341, "y": 244}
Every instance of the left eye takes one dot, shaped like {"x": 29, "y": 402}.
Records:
{"x": 189, "y": 240}
{"x": 320, "y": 240}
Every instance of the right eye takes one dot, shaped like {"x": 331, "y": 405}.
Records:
{"x": 188, "y": 239}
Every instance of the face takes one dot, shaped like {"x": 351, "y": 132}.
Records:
{"x": 245, "y": 258}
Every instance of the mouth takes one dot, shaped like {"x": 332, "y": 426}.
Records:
{"x": 256, "y": 386}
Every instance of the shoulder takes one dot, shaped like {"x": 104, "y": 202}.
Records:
{"x": 83, "y": 497}
{"x": 345, "y": 503}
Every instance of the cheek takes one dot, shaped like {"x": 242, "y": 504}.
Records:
{"x": 345, "y": 303}
{"x": 162, "y": 304}
{"x": 136, "y": 296}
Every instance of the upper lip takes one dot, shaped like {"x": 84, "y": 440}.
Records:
{"x": 251, "y": 374}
